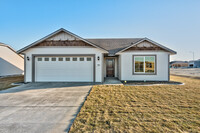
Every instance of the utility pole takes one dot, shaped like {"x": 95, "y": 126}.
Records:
{"x": 192, "y": 54}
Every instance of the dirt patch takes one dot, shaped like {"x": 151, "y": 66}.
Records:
{"x": 6, "y": 82}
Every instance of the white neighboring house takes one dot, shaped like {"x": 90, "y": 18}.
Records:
{"x": 65, "y": 57}
{"x": 11, "y": 63}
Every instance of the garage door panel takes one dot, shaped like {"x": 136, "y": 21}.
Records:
{"x": 64, "y": 71}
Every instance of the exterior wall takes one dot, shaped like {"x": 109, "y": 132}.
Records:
{"x": 197, "y": 63}
{"x": 10, "y": 62}
{"x": 162, "y": 72}
{"x": 64, "y": 50}
{"x": 115, "y": 69}
{"x": 119, "y": 62}
{"x": 102, "y": 67}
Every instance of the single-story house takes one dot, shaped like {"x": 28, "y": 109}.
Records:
{"x": 178, "y": 64}
{"x": 63, "y": 56}
{"x": 11, "y": 63}
{"x": 194, "y": 63}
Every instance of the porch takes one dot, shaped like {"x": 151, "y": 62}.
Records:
{"x": 112, "y": 81}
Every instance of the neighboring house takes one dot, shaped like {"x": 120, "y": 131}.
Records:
{"x": 65, "y": 57}
{"x": 178, "y": 64}
{"x": 11, "y": 63}
{"x": 194, "y": 63}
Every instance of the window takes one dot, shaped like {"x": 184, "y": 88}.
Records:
{"x": 67, "y": 59}
{"x": 89, "y": 59}
{"x": 60, "y": 59}
{"x": 39, "y": 59}
{"x": 46, "y": 59}
{"x": 74, "y": 59}
{"x": 81, "y": 58}
{"x": 144, "y": 64}
{"x": 149, "y": 64}
{"x": 53, "y": 59}
{"x": 139, "y": 64}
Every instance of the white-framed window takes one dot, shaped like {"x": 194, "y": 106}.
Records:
{"x": 53, "y": 59}
{"x": 46, "y": 59}
{"x": 40, "y": 59}
{"x": 81, "y": 58}
{"x": 60, "y": 59}
{"x": 89, "y": 59}
{"x": 67, "y": 59}
{"x": 74, "y": 59}
{"x": 144, "y": 64}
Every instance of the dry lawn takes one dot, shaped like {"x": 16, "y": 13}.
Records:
{"x": 5, "y": 83}
{"x": 166, "y": 108}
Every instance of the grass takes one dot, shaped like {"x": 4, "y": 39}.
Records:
{"x": 5, "y": 82}
{"x": 166, "y": 108}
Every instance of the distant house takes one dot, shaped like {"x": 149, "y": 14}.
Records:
{"x": 178, "y": 64}
{"x": 194, "y": 63}
{"x": 11, "y": 63}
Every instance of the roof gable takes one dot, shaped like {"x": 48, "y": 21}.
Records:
{"x": 60, "y": 34}
{"x": 151, "y": 43}
{"x": 109, "y": 45}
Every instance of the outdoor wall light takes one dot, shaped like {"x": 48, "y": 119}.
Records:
{"x": 98, "y": 58}
{"x": 27, "y": 58}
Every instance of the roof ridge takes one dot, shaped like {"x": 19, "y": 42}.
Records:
{"x": 116, "y": 38}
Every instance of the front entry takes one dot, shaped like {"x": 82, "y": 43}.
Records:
{"x": 110, "y": 65}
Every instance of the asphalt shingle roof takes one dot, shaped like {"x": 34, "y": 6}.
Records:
{"x": 114, "y": 45}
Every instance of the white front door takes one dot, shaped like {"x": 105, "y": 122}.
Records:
{"x": 64, "y": 69}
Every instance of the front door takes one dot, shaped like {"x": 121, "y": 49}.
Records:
{"x": 110, "y": 67}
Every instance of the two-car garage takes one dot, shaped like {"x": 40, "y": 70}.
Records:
{"x": 63, "y": 68}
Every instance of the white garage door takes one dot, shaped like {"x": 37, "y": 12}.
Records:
{"x": 64, "y": 69}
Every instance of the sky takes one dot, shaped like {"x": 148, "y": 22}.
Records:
{"x": 172, "y": 23}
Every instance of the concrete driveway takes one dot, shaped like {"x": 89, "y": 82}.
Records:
{"x": 41, "y": 107}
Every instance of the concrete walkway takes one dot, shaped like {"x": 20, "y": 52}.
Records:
{"x": 41, "y": 107}
{"x": 112, "y": 81}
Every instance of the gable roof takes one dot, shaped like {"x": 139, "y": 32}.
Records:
{"x": 54, "y": 33}
{"x": 110, "y": 45}
{"x": 4, "y": 45}
{"x": 116, "y": 45}
{"x": 148, "y": 40}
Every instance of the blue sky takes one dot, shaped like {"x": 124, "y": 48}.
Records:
{"x": 172, "y": 23}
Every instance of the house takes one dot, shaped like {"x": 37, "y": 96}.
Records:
{"x": 65, "y": 57}
{"x": 11, "y": 63}
{"x": 194, "y": 63}
{"x": 178, "y": 64}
